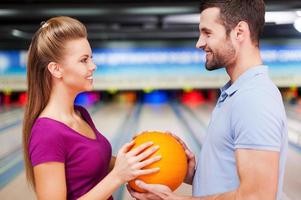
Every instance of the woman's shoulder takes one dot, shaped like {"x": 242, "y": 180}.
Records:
{"x": 47, "y": 128}
{"x": 46, "y": 123}
{"x": 47, "y": 142}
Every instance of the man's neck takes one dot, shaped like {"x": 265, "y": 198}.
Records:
{"x": 251, "y": 58}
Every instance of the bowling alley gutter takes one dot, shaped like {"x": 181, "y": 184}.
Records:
{"x": 11, "y": 160}
{"x": 194, "y": 126}
{"x": 125, "y": 134}
{"x": 10, "y": 119}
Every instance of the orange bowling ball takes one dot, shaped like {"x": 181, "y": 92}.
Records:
{"x": 173, "y": 164}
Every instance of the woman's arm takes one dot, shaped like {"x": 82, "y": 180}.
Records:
{"x": 50, "y": 181}
{"x": 112, "y": 163}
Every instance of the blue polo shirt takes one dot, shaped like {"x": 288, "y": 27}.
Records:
{"x": 249, "y": 114}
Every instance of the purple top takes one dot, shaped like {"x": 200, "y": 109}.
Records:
{"x": 86, "y": 160}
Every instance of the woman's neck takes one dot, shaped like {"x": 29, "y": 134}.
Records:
{"x": 60, "y": 105}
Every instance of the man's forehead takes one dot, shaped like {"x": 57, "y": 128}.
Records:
{"x": 209, "y": 17}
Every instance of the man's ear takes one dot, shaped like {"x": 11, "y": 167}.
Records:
{"x": 242, "y": 31}
{"x": 55, "y": 69}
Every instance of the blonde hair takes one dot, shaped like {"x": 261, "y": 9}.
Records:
{"x": 47, "y": 46}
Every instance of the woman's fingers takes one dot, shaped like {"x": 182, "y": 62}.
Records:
{"x": 148, "y": 162}
{"x": 147, "y": 153}
{"x": 148, "y": 171}
{"x": 140, "y": 148}
{"x": 126, "y": 147}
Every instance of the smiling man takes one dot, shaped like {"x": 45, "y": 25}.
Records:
{"x": 244, "y": 152}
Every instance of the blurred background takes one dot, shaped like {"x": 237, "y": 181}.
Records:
{"x": 150, "y": 76}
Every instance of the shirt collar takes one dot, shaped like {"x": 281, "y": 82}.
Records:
{"x": 229, "y": 89}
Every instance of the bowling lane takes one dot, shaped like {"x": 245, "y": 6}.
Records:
{"x": 10, "y": 118}
{"x": 117, "y": 121}
{"x": 10, "y": 132}
{"x": 10, "y": 140}
{"x": 203, "y": 113}
{"x": 164, "y": 118}
{"x": 7, "y": 108}
{"x": 294, "y": 125}
{"x": 292, "y": 178}
{"x": 11, "y": 160}
{"x": 110, "y": 117}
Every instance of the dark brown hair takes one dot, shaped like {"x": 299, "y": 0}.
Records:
{"x": 47, "y": 46}
{"x": 234, "y": 11}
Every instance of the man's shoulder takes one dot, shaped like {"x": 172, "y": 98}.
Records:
{"x": 259, "y": 88}
{"x": 258, "y": 97}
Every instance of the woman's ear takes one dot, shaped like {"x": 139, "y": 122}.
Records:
{"x": 55, "y": 69}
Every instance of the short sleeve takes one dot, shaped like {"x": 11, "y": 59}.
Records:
{"x": 257, "y": 121}
{"x": 46, "y": 143}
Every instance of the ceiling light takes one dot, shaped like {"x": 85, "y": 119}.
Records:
{"x": 16, "y": 33}
{"x": 297, "y": 24}
{"x": 280, "y": 17}
{"x": 8, "y": 12}
{"x": 21, "y": 34}
{"x": 159, "y": 10}
{"x": 276, "y": 17}
{"x": 184, "y": 19}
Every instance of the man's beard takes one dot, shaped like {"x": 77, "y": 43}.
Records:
{"x": 220, "y": 58}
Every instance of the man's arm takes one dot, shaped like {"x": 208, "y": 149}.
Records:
{"x": 258, "y": 173}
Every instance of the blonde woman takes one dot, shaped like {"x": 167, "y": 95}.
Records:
{"x": 65, "y": 156}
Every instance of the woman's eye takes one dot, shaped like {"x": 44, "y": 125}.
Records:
{"x": 84, "y": 60}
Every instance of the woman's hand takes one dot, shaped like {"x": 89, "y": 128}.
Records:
{"x": 129, "y": 164}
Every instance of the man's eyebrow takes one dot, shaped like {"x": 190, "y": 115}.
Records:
{"x": 204, "y": 29}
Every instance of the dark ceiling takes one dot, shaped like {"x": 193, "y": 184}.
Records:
{"x": 117, "y": 20}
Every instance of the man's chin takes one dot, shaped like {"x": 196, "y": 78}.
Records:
{"x": 212, "y": 67}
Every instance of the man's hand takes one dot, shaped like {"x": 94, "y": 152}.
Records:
{"x": 154, "y": 192}
{"x": 190, "y": 160}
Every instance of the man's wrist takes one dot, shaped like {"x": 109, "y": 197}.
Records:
{"x": 174, "y": 196}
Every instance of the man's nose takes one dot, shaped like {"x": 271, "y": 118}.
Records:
{"x": 200, "y": 43}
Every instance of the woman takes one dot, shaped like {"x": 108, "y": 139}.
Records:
{"x": 65, "y": 156}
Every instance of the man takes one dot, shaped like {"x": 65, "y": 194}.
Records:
{"x": 244, "y": 152}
